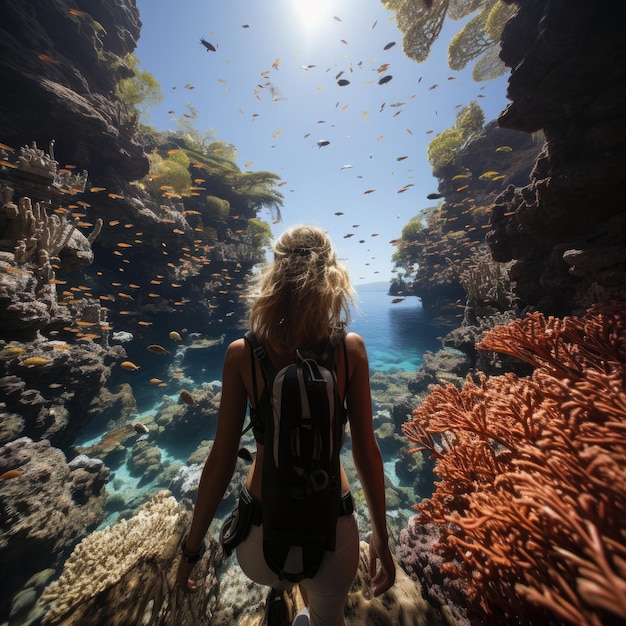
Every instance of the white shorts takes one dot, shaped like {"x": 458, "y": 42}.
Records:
{"x": 328, "y": 589}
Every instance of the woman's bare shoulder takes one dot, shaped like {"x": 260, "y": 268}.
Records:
{"x": 237, "y": 350}
{"x": 355, "y": 346}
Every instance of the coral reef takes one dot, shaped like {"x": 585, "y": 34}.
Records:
{"x": 50, "y": 385}
{"x": 530, "y": 503}
{"x": 126, "y": 574}
{"x": 46, "y": 507}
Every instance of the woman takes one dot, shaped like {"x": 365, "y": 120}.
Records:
{"x": 304, "y": 294}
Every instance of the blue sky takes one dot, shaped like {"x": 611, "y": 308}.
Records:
{"x": 276, "y": 127}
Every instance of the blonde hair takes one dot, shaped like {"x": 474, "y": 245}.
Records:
{"x": 304, "y": 294}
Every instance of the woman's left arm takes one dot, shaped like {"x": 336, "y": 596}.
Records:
{"x": 220, "y": 464}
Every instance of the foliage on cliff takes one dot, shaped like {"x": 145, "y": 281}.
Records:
{"x": 445, "y": 261}
{"x": 530, "y": 503}
{"x": 444, "y": 148}
{"x": 421, "y": 23}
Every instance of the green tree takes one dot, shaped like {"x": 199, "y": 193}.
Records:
{"x": 139, "y": 92}
{"x": 217, "y": 208}
{"x": 421, "y": 23}
{"x": 443, "y": 149}
{"x": 170, "y": 172}
{"x": 259, "y": 232}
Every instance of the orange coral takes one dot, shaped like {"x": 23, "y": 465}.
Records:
{"x": 532, "y": 498}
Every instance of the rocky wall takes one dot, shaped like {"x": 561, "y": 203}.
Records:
{"x": 566, "y": 229}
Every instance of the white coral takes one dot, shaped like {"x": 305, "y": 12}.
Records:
{"x": 100, "y": 560}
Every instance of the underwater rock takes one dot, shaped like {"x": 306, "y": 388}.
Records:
{"x": 189, "y": 422}
{"x": 145, "y": 460}
{"x": 55, "y": 395}
{"x": 43, "y": 512}
{"x": 184, "y": 485}
{"x": 444, "y": 366}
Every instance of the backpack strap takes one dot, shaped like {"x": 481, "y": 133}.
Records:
{"x": 256, "y": 353}
{"x": 259, "y": 353}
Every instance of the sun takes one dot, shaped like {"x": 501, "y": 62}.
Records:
{"x": 312, "y": 13}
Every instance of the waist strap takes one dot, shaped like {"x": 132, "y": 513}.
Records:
{"x": 346, "y": 507}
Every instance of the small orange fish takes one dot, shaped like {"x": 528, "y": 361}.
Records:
{"x": 34, "y": 361}
{"x": 46, "y": 59}
{"x": 14, "y": 473}
{"x": 129, "y": 365}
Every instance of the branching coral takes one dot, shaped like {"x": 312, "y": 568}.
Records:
{"x": 532, "y": 497}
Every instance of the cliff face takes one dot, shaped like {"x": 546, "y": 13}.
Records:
{"x": 566, "y": 229}
{"x": 59, "y": 64}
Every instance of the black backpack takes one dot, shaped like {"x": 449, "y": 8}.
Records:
{"x": 303, "y": 434}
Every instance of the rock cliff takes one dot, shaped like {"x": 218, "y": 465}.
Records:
{"x": 70, "y": 57}
{"x": 566, "y": 228}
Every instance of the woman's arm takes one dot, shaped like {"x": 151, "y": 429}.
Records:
{"x": 220, "y": 464}
{"x": 368, "y": 461}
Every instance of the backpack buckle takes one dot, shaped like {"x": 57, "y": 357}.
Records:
{"x": 259, "y": 353}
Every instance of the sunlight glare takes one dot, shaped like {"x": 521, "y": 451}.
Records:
{"x": 311, "y": 13}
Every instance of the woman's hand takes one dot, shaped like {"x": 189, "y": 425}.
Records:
{"x": 183, "y": 581}
{"x": 384, "y": 577}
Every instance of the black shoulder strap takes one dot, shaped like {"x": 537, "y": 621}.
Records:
{"x": 259, "y": 353}
{"x": 255, "y": 352}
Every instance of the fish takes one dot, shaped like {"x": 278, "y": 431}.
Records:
{"x": 129, "y": 365}
{"x": 34, "y": 361}
{"x": 141, "y": 428}
{"x": 209, "y": 46}
{"x": 391, "y": 44}
{"x": 175, "y": 336}
{"x": 47, "y": 59}
{"x": 396, "y": 300}
{"x": 155, "y": 348}
{"x": 385, "y": 79}
{"x": 343, "y": 82}
{"x": 322, "y": 142}
{"x": 11, "y": 352}
{"x": 435, "y": 196}
{"x": 504, "y": 149}
{"x": 13, "y": 473}
{"x": 155, "y": 381}
{"x": 186, "y": 397}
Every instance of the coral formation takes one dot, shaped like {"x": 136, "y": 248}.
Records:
{"x": 530, "y": 503}
{"x": 126, "y": 574}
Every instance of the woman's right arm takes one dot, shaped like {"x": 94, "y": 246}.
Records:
{"x": 368, "y": 461}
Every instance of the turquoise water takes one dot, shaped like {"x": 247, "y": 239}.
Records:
{"x": 396, "y": 335}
